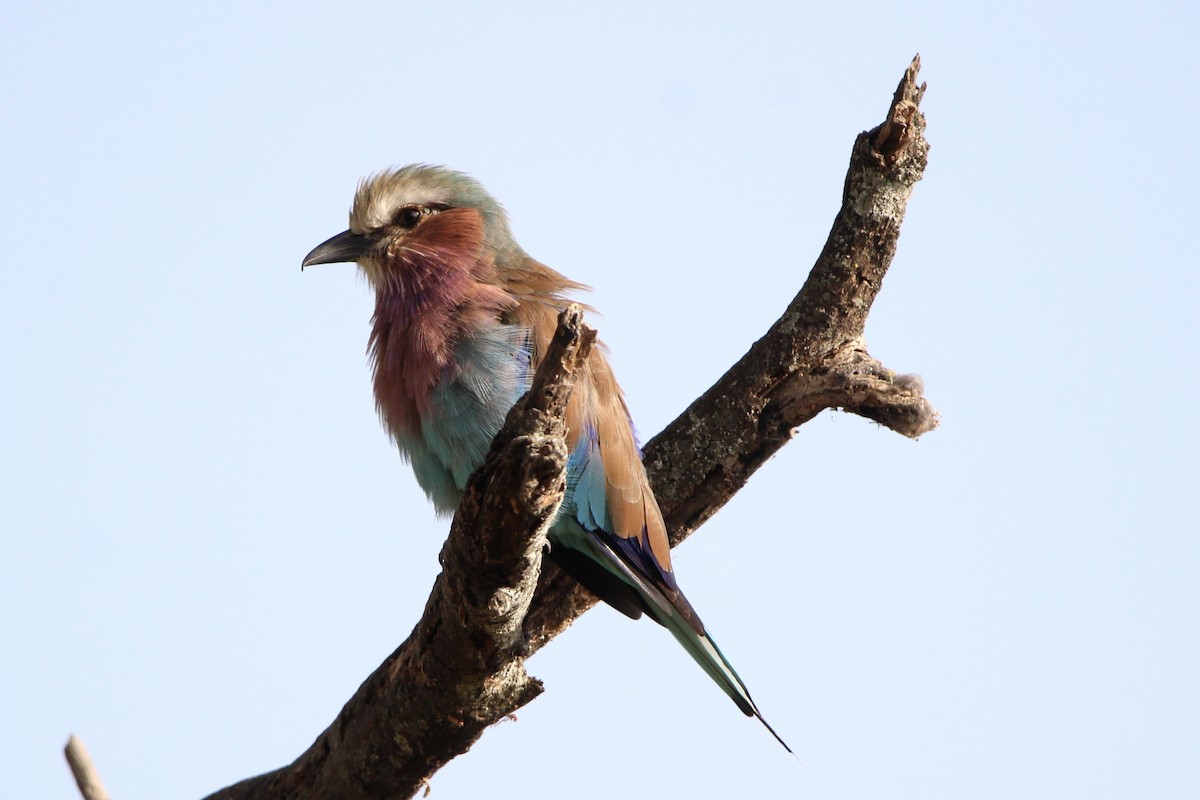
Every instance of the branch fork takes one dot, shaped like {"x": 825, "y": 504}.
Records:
{"x": 463, "y": 667}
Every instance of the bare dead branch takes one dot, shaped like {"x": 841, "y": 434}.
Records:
{"x": 462, "y": 668}
{"x": 814, "y": 357}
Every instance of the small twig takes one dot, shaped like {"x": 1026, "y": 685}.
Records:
{"x": 86, "y": 777}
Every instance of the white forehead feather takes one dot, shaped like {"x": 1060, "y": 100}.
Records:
{"x": 380, "y": 195}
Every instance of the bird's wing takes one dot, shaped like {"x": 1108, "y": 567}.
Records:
{"x": 609, "y": 494}
{"x": 610, "y": 534}
{"x": 617, "y": 546}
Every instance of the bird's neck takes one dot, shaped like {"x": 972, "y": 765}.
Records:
{"x": 420, "y": 316}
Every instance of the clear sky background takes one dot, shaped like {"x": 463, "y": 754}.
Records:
{"x": 208, "y": 541}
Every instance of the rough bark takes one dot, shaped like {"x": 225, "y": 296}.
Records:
{"x": 462, "y": 668}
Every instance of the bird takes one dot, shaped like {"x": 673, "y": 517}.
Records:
{"x": 463, "y": 316}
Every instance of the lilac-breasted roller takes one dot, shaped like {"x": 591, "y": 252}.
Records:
{"x": 462, "y": 318}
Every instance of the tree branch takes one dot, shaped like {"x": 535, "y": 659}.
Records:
{"x": 814, "y": 357}
{"x": 462, "y": 668}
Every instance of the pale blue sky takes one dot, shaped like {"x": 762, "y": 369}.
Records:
{"x": 208, "y": 541}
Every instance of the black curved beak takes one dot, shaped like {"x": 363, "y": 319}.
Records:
{"x": 346, "y": 246}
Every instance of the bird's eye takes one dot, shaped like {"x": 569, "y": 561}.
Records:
{"x": 408, "y": 217}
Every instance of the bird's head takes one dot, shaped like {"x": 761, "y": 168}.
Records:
{"x": 417, "y": 214}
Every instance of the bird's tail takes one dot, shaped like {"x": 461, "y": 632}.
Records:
{"x": 705, "y": 652}
{"x": 591, "y": 558}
